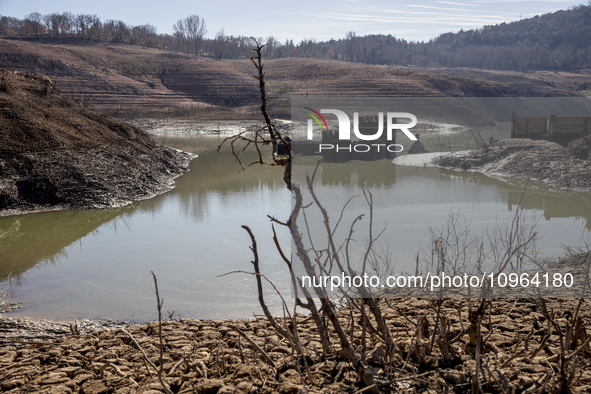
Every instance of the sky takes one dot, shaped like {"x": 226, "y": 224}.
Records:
{"x": 416, "y": 20}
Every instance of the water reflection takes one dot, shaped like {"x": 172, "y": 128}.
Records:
{"x": 42, "y": 237}
{"x": 215, "y": 176}
{"x": 84, "y": 263}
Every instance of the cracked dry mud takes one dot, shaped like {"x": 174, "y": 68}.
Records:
{"x": 520, "y": 353}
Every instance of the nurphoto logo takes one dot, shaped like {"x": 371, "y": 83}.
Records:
{"x": 344, "y": 130}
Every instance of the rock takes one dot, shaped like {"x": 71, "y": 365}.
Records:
{"x": 580, "y": 148}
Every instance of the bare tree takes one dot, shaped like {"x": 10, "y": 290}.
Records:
{"x": 190, "y": 33}
{"x": 351, "y": 45}
{"x": 144, "y": 35}
{"x": 34, "y": 23}
{"x": 52, "y": 23}
{"x": 94, "y": 26}
{"x": 67, "y": 22}
{"x": 219, "y": 45}
{"x": 81, "y": 24}
{"x": 271, "y": 46}
{"x": 180, "y": 33}
{"x": 196, "y": 30}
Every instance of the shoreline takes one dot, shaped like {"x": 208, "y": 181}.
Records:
{"x": 166, "y": 186}
{"x": 147, "y": 177}
{"x": 546, "y": 162}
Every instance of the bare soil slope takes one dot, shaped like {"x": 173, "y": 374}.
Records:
{"x": 527, "y": 84}
{"x": 56, "y": 152}
{"x": 131, "y": 81}
{"x": 338, "y": 78}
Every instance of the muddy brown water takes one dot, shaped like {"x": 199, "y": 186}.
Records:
{"x": 97, "y": 263}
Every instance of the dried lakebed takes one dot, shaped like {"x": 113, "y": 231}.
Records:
{"x": 520, "y": 353}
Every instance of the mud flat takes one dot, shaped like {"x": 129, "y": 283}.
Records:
{"x": 222, "y": 128}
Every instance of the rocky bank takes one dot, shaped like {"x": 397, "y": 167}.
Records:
{"x": 553, "y": 165}
{"x": 57, "y": 154}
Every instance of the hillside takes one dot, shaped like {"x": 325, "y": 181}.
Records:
{"x": 557, "y": 41}
{"x": 527, "y": 84}
{"x": 558, "y": 30}
{"x": 54, "y": 152}
{"x": 133, "y": 81}
{"x": 121, "y": 79}
{"x": 129, "y": 81}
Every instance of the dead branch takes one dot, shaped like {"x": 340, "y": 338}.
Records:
{"x": 145, "y": 356}
{"x": 257, "y": 347}
{"x": 161, "y": 366}
{"x": 257, "y": 271}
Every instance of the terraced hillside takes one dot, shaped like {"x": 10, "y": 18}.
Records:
{"x": 122, "y": 79}
{"x": 131, "y": 81}
{"x": 337, "y": 78}
{"x": 298, "y": 76}
{"x": 532, "y": 84}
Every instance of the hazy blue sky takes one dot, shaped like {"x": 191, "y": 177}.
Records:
{"x": 416, "y": 20}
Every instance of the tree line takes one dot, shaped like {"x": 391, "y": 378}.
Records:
{"x": 556, "y": 41}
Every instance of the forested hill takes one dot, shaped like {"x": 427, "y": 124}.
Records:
{"x": 556, "y": 41}
{"x": 552, "y": 31}
{"x": 560, "y": 40}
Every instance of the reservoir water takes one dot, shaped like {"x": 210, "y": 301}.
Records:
{"x": 97, "y": 263}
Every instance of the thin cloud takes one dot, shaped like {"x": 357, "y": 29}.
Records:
{"x": 463, "y": 4}
{"x": 438, "y": 8}
{"x": 471, "y": 20}
{"x": 439, "y": 15}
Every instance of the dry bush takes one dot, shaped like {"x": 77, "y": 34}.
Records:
{"x": 463, "y": 345}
